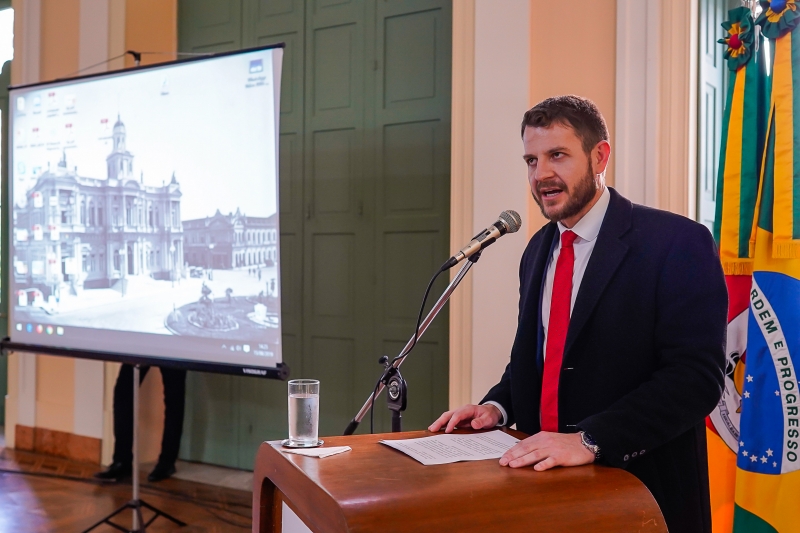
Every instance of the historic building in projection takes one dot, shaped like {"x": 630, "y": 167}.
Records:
{"x": 78, "y": 232}
{"x": 231, "y": 241}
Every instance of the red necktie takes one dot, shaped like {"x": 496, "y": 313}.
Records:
{"x": 557, "y": 331}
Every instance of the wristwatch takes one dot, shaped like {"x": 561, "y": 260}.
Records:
{"x": 590, "y": 444}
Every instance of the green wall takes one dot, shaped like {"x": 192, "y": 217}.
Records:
{"x": 364, "y": 208}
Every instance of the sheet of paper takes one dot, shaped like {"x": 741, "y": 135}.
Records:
{"x": 317, "y": 452}
{"x": 443, "y": 449}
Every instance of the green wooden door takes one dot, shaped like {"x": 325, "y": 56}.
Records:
{"x": 364, "y": 199}
{"x": 713, "y": 76}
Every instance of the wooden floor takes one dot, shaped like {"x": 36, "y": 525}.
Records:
{"x": 34, "y": 500}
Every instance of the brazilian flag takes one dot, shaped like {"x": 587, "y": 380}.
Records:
{"x": 767, "y": 493}
{"x": 744, "y": 127}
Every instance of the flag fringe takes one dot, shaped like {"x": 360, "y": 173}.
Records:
{"x": 785, "y": 249}
{"x": 737, "y": 267}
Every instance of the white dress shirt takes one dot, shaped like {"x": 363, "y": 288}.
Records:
{"x": 587, "y": 229}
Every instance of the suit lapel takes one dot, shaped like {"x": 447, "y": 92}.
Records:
{"x": 532, "y": 310}
{"x": 536, "y": 279}
{"x": 608, "y": 253}
{"x": 542, "y": 275}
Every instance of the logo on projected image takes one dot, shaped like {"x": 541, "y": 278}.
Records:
{"x": 256, "y": 66}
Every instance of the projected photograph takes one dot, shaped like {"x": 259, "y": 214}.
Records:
{"x": 147, "y": 203}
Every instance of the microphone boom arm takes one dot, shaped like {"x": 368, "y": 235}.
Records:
{"x": 351, "y": 427}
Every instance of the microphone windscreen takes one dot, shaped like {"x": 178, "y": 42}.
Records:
{"x": 511, "y": 220}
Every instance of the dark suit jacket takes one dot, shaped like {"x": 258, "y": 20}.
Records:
{"x": 644, "y": 356}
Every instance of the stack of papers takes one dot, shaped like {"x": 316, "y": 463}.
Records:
{"x": 317, "y": 452}
{"x": 443, "y": 449}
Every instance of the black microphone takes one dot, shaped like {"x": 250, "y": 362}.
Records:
{"x": 508, "y": 222}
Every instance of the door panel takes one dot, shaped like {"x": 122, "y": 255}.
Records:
{"x": 409, "y": 167}
{"x": 210, "y": 419}
{"x": 209, "y": 25}
{"x": 323, "y": 7}
{"x": 333, "y": 267}
{"x": 332, "y": 361}
{"x": 269, "y": 8}
{"x": 401, "y": 300}
{"x": 333, "y": 67}
{"x": 332, "y": 178}
{"x": 410, "y": 63}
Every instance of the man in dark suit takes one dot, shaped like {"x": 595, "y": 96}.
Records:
{"x": 619, "y": 350}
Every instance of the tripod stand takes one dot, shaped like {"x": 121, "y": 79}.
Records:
{"x": 136, "y": 504}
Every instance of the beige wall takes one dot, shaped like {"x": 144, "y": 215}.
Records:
{"x": 574, "y": 54}
{"x": 499, "y": 180}
{"x": 55, "y": 393}
{"x": 151, "y": 26}
{"x": 59, "y": 38}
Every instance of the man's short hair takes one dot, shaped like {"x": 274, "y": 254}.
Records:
{"x": 581, "y": 114}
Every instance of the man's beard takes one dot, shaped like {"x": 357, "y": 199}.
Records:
{"x": 578, "y": 198}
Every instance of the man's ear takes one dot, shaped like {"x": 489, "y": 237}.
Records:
{"x": 600, "y": 156}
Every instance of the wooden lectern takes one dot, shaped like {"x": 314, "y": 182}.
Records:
{"x": 376, "y": 488}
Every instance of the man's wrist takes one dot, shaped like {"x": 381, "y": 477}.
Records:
{"x": 501, "y": 410}
{"x": 590, "y": 444}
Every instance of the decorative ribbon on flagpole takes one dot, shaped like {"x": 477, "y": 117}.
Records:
{"x": 743, "y": 135}
{"x": 780, "y": 20}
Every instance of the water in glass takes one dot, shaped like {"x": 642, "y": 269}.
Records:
{"x": 303, "y": 418}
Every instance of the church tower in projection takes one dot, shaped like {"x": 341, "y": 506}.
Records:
{"x": 120, "y": 160}
{"x": 78, "y": 232}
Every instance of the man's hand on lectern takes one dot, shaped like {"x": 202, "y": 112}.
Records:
{"x": 546, "y": 450}
{"x": 474, "y": 416}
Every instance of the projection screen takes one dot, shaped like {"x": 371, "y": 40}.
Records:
{"x": 144, "y": 218}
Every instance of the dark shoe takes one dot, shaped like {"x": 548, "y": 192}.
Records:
{"x": 115, "y": 472}
{"x": 161, "y": 472}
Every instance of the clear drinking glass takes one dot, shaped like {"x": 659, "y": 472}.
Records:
{"x": 303, "y": 413}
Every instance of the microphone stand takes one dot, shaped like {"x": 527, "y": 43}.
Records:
{"x": 397, "y": 400}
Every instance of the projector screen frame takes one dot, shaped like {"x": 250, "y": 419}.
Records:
{"x": 280, "y": 372}
{"x": 197, "y": 57}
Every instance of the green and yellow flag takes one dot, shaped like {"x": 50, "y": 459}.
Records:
{"x": 767, "y": 495}
{"x": 743, "y": 136}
